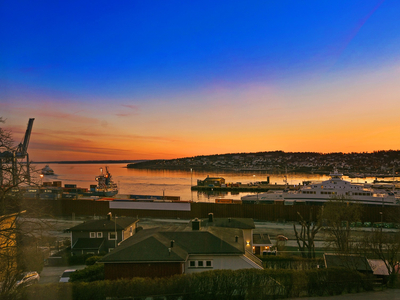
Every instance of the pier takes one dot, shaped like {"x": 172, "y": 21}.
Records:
{"x": 261, "y": 188}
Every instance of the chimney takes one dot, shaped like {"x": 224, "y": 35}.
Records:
{"x": 196, "y": 224}
{"x": 210, "y": 217}
{"x": 172, "y": 243}
{"x": 109, "y": 216}
{"x": 236, "y": 238}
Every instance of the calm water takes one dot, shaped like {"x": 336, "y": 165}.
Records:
{"x": 171, "y": 183}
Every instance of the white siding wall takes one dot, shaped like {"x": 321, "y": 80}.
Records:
{"x": 220, "y": 262}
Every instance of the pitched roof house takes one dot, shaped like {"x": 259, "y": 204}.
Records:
{"x": 166, "y": 251}
{"x": 101, "y": 236}
{"x": 255, "y": 242}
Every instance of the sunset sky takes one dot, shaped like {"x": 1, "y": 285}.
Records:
{"x": 168, "y": 79}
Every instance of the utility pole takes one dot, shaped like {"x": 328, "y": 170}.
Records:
{"x": 115, "y": 230}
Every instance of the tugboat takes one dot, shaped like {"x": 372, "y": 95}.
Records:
{"x": 47, "y": 170}
{"x": 105, "y": 186}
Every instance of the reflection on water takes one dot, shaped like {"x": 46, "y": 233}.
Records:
{"x": 169, "y": 182}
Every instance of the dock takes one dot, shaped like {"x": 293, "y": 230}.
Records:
{"x": 244, "y": 187}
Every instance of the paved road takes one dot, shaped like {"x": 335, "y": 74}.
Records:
{"x": 52, "y": 274}
{"x": 389, "y": 294}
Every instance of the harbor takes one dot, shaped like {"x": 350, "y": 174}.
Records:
{"x": 226, "y": 199}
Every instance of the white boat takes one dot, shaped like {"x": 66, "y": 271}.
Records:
{"x": 267, "y": 197}
{"x": 47, "y": 170}
{"x": 336, "y": 187}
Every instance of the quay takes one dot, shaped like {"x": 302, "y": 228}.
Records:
{"x": 245, "y": 188}
{"x": 219, "y": 184}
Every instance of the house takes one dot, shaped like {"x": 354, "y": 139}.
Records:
{"x": 211, "y": 181}
{"x": 255, "y": 242}
{"x": 184, "y": 249}
{"x": 262, "y": 244}
{"x": 101, "y": 236}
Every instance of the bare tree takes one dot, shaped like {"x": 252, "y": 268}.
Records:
{"x": 339, "y": 213}
{"x": 386, "y": 247}
{"x": 17, "y": 219}
{"x": 308, "y": 230}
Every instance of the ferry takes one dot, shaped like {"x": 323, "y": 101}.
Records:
{"x": 47, "y": 170}
{"x": 336, "y": 187}
{"x": 333, "y": 188}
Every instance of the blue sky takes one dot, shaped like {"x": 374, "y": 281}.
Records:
{"x": 167, "y": 70}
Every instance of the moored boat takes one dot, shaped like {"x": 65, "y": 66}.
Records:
{"x": 269, "y": 197}
{"x": 337, "y": 188}
{"x": 333, "y": 188}
{"x": 105, "y": 185}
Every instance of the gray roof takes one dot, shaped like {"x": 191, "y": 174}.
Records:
{"x": 105, "y": 224}
{"x": 87, "y": 244}
{"x": 355, "y": 262}
{"x": 154, "y": 244}
{"x": 261, "y": 239}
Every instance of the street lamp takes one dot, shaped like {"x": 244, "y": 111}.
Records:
{"x": 41, "y": 179}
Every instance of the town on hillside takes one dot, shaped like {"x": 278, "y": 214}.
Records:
{"x": 374, "y": 164}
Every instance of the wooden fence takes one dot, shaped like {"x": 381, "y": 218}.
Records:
{"x": 261, "y": 212}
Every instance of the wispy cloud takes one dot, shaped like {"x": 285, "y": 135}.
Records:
{"x": 132, "y": 106}
{"x": 67, "y": 134}
{"x": 132, "y": 110}
{"x": 78, "y": 148}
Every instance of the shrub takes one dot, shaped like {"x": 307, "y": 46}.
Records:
{"x": 88, "y": 274}
{"x": 217, "y": 284}
{"x": 92, "y": 260}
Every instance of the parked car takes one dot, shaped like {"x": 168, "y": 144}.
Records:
{"x": 27, "y": 279}
{"x": 281, "y": 237}
{"x": 65, "y": 275}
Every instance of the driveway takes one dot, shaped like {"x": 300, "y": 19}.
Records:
{"x": 52, "y": 274}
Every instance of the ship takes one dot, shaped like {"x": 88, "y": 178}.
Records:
{"x": 333, "y": 188}
{"x": 105, "y": 185}
{"x": 47, "y": 170}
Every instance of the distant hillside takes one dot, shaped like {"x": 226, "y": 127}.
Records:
{"x": 379, "y": 162}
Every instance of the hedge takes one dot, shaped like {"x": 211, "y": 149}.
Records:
{"x": 217, "y": 284}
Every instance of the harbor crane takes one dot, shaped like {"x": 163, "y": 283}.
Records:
{"x": 20, "y": 152}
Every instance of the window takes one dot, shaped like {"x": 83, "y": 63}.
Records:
{"x": 200, "y": 264}
{"x": 112, "y": 236}
{"x": 99, "y": 234}
{"x": 92, "y": 235}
